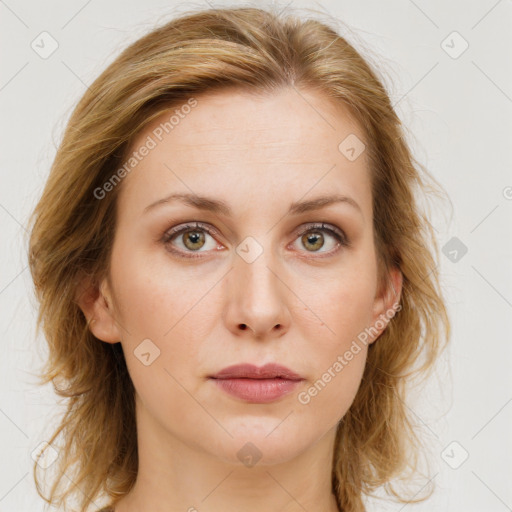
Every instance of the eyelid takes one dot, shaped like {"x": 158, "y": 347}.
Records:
{"x": 323, "y": 226}
{"x": 189, "y": 226}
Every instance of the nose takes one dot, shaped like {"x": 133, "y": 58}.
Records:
{"x": 257, "y": 299}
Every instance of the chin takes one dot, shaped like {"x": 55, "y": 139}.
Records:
{"x": 257, "y": 441}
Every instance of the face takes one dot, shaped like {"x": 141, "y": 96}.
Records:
{"x": 250, "y": 268}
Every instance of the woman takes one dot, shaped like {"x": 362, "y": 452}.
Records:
{"x": 235, "y": 279}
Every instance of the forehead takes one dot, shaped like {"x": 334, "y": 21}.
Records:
{"x": 235, "y": 116}
{"x": 233, "y": 142}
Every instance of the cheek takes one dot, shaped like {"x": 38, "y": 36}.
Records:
{"x": 342, "y": 306}
{"x": 152, "y": 297}
{"x": 337, "y": 360}
{"x": 164, "y": 316}
{"x": 335, "y": 385}
{"x": 338, "y": 354}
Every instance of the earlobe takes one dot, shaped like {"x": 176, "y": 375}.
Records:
{"x": 386, "y": 302}
{"x": 95, "y": 302}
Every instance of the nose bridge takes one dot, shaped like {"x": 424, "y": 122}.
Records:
{"x": 256, "y": 274}
{"x": 257, "y": 295}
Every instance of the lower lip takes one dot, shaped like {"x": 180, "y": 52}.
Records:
{"x": 257, "y": 390}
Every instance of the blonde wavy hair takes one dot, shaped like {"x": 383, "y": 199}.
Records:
{"x": 71, "y": 234}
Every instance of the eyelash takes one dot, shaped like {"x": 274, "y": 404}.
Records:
{"x": 338, "y": 234}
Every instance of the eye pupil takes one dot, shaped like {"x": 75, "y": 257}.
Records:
{"x": 317, "y": 239}
{"x": 194, "y": 237}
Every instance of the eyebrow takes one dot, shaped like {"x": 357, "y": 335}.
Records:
{"x": 221, "y": 207}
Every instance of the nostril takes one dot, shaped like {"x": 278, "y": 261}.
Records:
{"x": 243, "y": 327}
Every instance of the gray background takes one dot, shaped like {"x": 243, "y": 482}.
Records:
{"x": 457, "y": 109}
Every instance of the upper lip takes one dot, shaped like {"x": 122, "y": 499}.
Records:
{"x": 250, "y": 371}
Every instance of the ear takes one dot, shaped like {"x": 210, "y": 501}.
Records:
{"x": 386, "y": 301}
{"x": 96, "y": 303}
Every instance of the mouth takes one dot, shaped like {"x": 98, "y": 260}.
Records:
{"x": 257, "y": 384}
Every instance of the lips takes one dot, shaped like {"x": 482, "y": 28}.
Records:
{"x": 258, "y": 385}
{"x": 250, "y": 371}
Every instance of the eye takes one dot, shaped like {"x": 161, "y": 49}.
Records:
{"x": 314, "y": 240}
{"x": 190, "y": 238}
{"x": 187, "y": 239}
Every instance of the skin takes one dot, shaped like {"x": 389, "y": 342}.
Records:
{"x": 258, "y": 154}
